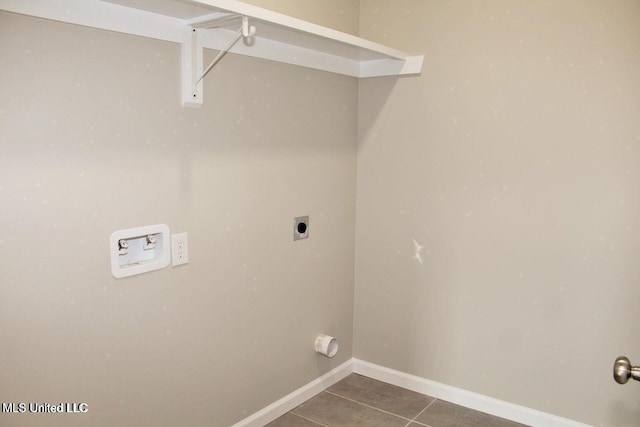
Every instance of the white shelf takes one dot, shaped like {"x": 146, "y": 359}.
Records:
{"x": 278, "y": 38}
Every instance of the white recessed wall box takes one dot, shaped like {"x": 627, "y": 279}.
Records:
{"x": 227, "y": 26}
{"x": 139, "y": 250}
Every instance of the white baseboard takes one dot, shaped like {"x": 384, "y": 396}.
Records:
{"x": 489, "y": 405}
{"x": 299, "y": 396}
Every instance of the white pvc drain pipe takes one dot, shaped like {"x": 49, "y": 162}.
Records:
{"x": 326, "y": 345}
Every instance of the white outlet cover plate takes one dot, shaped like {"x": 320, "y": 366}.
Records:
{"x": 179, "y": 249}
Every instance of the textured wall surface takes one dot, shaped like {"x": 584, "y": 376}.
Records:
{"x": 93, "y": 140}
{"x": 497, "y": 213}
{"x": 498, "y": 202}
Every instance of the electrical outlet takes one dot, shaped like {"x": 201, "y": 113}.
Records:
{"x": 301, "y": 227}
{"x": 179, "y": 249}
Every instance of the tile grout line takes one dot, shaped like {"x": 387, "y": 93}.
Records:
{"x": 417, "y": 423}
{"x": 421, "y": 412}
{"x": 368, "y": 406}
{"x": 409, "y": 422}
{"x": 308, "y": 419}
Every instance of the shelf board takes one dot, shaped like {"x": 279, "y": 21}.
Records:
{"x": 279, "y": 37}
{"x": 286, "y": 39}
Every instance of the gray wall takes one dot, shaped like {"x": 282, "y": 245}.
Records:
{"x": 93, "y": 140}
{"x": 514, "y": 162}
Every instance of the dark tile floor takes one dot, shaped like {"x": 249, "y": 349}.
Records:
{"x": 362, "y": 401}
